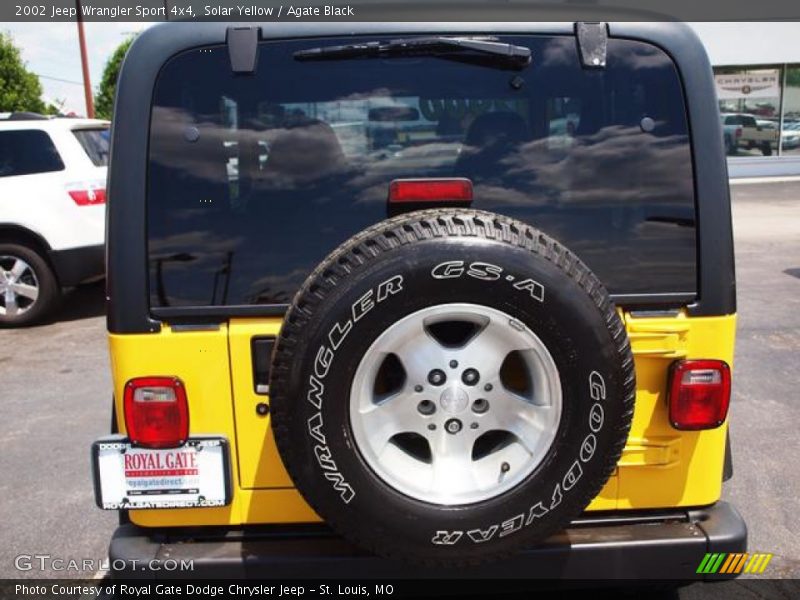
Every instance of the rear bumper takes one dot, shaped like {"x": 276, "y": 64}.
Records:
{"x": 644, "y": 546}
{"x": 78, "y": 265}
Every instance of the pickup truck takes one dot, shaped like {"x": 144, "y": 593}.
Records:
{"x": 745, "y": 131}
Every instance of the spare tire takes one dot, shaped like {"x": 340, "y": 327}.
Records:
{"x": 450, "y": 385}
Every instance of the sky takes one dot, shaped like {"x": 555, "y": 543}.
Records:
{"x": 51, "y": 51}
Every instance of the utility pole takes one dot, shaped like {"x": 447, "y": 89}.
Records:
{"x": 87, "y": 84}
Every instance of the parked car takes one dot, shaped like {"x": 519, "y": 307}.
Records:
{"x": 52, "y": 210}
{"x": 742, "y": 130}
{"x": 790, "y": 136}
{"x": 514, "y": 358}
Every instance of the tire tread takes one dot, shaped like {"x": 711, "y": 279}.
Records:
{"x": 356, "y": 254}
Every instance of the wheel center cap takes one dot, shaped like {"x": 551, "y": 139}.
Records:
{"x": 454, "y": 400}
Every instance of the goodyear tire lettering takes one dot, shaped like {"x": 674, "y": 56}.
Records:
{"x": 588, "y": 447}
{"x": 446, "y": 538}
{"x": 597, "y": 391}
{"x": 482, "y": 535}
{"x": 597, "y": 386}
{"x": 572, "y": 476}
{"x": 509, "y": 526}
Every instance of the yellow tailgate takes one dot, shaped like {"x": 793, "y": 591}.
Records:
{"x": 660, "y": 467}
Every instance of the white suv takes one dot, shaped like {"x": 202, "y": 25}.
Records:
{"x": 52, "y": 210}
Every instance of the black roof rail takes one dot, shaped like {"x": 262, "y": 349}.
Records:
{"x": 27, "y": 116}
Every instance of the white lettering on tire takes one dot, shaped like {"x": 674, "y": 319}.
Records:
{"x": 448, "y": 270}
{"x": 315, "y": 428}
{"x": 596, "y": 417}
{"x": 537, "y": 511}
{"x": 316, "y": 381}
{"x": 512, "y": 525}
{"x": 597, "y": 386}
{"x": 482, "y": 535}
{"x": 535, "y": 289}
{"x": 447, "y": 538}
{"x": 482, "y": 271}
{"x": 573, "y": 476}
{"x": 588, "y": 447}
{"x": 340, "y": 485}
{"x": 586, "y": 451}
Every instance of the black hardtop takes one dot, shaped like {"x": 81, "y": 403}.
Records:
{"x": 129, "y": 310}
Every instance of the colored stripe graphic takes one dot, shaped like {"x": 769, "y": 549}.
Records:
{"x": 716, "y": 565}
{"x": 738, "y": 566}
{"x": 729, "y": 562}
{"x": 711, "y": 563}
{"x": 703, "y": 563}
{"x": 757, "y": 563}
{"x": 736, "y": 562}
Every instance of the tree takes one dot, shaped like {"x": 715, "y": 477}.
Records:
{"x": 793, "y": 77}
{"x": 104, "y": 100}
{"x": 20, "y": 90}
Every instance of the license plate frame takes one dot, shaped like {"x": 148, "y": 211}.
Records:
{"x": 172, "y": 478}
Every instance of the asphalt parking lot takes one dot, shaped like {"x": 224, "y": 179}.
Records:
{"x": 56, "y": 392}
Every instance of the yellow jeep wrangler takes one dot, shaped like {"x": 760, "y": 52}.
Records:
{"x": 433, "y": 294}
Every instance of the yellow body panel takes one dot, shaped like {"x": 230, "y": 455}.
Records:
{"x": 254, "y": 439}
{"x": 660, "y": 466}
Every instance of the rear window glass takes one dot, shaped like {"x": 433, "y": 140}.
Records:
{"x": 27, "y": 151}
{"x": 254, "y": 180}
{"x": 95, "y": 143}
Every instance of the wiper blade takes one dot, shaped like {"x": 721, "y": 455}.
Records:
{"x": 519, "y": 56}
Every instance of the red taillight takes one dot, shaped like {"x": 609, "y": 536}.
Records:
{"x": 87, "y": 195}
{"x": 430, "y": 190}
{"x": 739, "y": 132}
{"x": 156, "y": 412}
{"x": 699, "y": 394}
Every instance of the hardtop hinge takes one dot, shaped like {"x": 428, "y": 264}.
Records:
{"x": 243, "y": 48}
{"x": 592, "y": 43}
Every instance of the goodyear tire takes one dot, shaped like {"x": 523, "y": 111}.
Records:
{"x": 450, "y": 385}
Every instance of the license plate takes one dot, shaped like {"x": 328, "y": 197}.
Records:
{"x": 127, "y": 477}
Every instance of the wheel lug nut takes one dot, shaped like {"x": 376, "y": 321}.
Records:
{"x": 470, "y": 377}
{"x": 453, "y": 364}
{"x": 488, "y": 387}
{"x": 426, "y": 407}
{"x": 480, "y": 406}
{"x": 453, "y": 426}
{"x": 437, "y": 377}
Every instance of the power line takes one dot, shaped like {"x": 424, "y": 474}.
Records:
{"x": 58, "y": 79}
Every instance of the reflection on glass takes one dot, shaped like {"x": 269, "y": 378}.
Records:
{"x": 749, "y": 102}
{"x": 254, "y": 180}
{"x": 790, "y": 134}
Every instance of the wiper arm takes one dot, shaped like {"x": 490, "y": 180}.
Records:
{"x": 518, "y": 56}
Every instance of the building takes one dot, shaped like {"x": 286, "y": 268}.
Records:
{"x": 757, "y": 73}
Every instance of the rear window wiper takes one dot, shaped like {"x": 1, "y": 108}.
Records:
{"x": 518, "y": 56}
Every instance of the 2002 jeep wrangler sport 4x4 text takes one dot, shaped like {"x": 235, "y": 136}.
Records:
{"x": 432, "y": 293}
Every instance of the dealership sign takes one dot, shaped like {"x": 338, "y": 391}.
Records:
{"x": 763, "y": 84}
